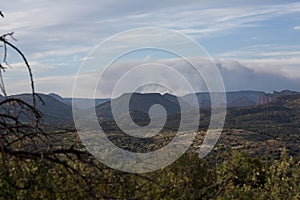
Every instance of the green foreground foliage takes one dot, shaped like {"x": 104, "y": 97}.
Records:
{"x": 236, "y": 176}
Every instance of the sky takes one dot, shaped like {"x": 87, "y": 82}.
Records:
{"x": 255, "y": 44}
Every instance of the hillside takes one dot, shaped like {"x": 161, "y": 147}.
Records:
{"x": 238, "y": 98}
{"x": 138, "y": 104}
{"x": 244, "y": 107}
{"x": 281, "y": 117}
{"x": 53, "y": 111}
{"x": 81, "y": 102}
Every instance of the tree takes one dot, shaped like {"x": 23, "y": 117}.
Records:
{"x": 24, "y": 145}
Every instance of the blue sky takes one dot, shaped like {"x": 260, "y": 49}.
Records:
{"x": 256, "y": 43}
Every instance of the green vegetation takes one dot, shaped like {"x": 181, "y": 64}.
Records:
{"x": 236, "y": 176}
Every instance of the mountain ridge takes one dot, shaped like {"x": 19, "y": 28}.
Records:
{"x": 59, "y": 110}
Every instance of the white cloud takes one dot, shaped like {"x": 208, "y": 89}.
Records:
{"x": 266, "y": 75}
{"x": 260, "y": 74}
{"x": 60, "y": 33}
{"x": 63, "y": 23}
{"x": 264, "y": 51}
{"x": 296, "y": 27}
{"x": 61, "y": 52}
{"x": 282, "y": 61}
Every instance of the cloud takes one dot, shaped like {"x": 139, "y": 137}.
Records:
{"x": 237, "y": 75}
{"x": 275, "y": 60}
{"x": 61, "y": 33}
{"x": 262, "y": 75}
{"x": 58, "y": 25}
{"x": 61, "y": 52}
{"x": 296, "y": 27}
{"x": 247, "y": 77}
{"x": 264, "y": 51}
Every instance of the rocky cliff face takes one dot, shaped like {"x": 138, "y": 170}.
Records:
{"x": 263, "y": 99}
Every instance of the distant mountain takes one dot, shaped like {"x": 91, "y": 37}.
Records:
{"x": 139, "y": 104}
{"x": 81, "y": 102}
{"x": 283, "y": 111}
{"x": 84, "y": 102}
{"x": 234, "y": 99}
{"x": 53, "y": 110}
{"x": 238, "y": 98}
{"x": 57, "y": 109}
{"x": 57, "y": 97}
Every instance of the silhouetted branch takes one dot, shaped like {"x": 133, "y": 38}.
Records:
{"x": 3, "y": 39}
{"x": 16, "y": 127}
